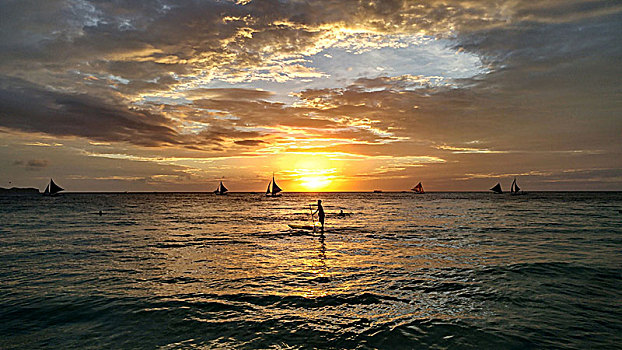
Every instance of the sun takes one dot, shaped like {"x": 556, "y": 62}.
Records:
{"x": 314, "y": 182}
{"x": 311, "y": 173}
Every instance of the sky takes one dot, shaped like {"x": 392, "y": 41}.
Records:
{"x": 329, "y": 95}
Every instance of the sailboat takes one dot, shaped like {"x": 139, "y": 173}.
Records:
{"x": 52, "y": 189}
{"x": 497, "y": 188}
{"x": 274, "y": 191}
{"x": 221, "y": 189}
{"x": 514, "y": 189}
{"x": 418, "y": 188}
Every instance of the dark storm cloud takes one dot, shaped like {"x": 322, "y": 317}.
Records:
{"x": 29, "y": 108}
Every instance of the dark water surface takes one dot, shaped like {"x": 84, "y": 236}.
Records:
{"x": 439, "y": 270}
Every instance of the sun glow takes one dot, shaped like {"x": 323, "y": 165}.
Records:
{"x": 313, "y": 174}
{"x": 315, "y": 183}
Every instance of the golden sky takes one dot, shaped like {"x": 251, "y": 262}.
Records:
{"x": 328, "y": 95}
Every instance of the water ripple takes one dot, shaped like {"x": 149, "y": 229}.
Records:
{"x": 442, "y": 271}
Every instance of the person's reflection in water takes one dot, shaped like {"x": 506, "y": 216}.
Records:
{"x": 322, "y": 255}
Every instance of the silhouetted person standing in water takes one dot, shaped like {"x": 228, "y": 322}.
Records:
{"x": 320, "y": 213}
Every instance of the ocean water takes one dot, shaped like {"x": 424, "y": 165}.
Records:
{"x": 404, "y": 271}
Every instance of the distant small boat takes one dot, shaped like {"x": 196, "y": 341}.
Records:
{"x": 52, "y": 189}
{"x": 418, "y": 188}
{"x": 514, "y": 189}
{"x": 497, "y": 188}
{"x": 221, "y": 189}
{"x": 273, "y": 189}
{"x": 377, "y": 191}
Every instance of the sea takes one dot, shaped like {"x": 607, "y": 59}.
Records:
{"x": 402, "y": 271}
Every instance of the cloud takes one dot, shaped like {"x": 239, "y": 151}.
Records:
{"x": 29, "y": 108}
{"x": 228, "y": 94}
{"x": 147, "y": 42}
{"x": 226, "y": 77}
{"x": 249, "y": 142}
{"x": 32, "y": 164}
{"x": 37, "y": 163}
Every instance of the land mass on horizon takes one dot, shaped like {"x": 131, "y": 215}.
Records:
{"x": 19, "y": 191}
